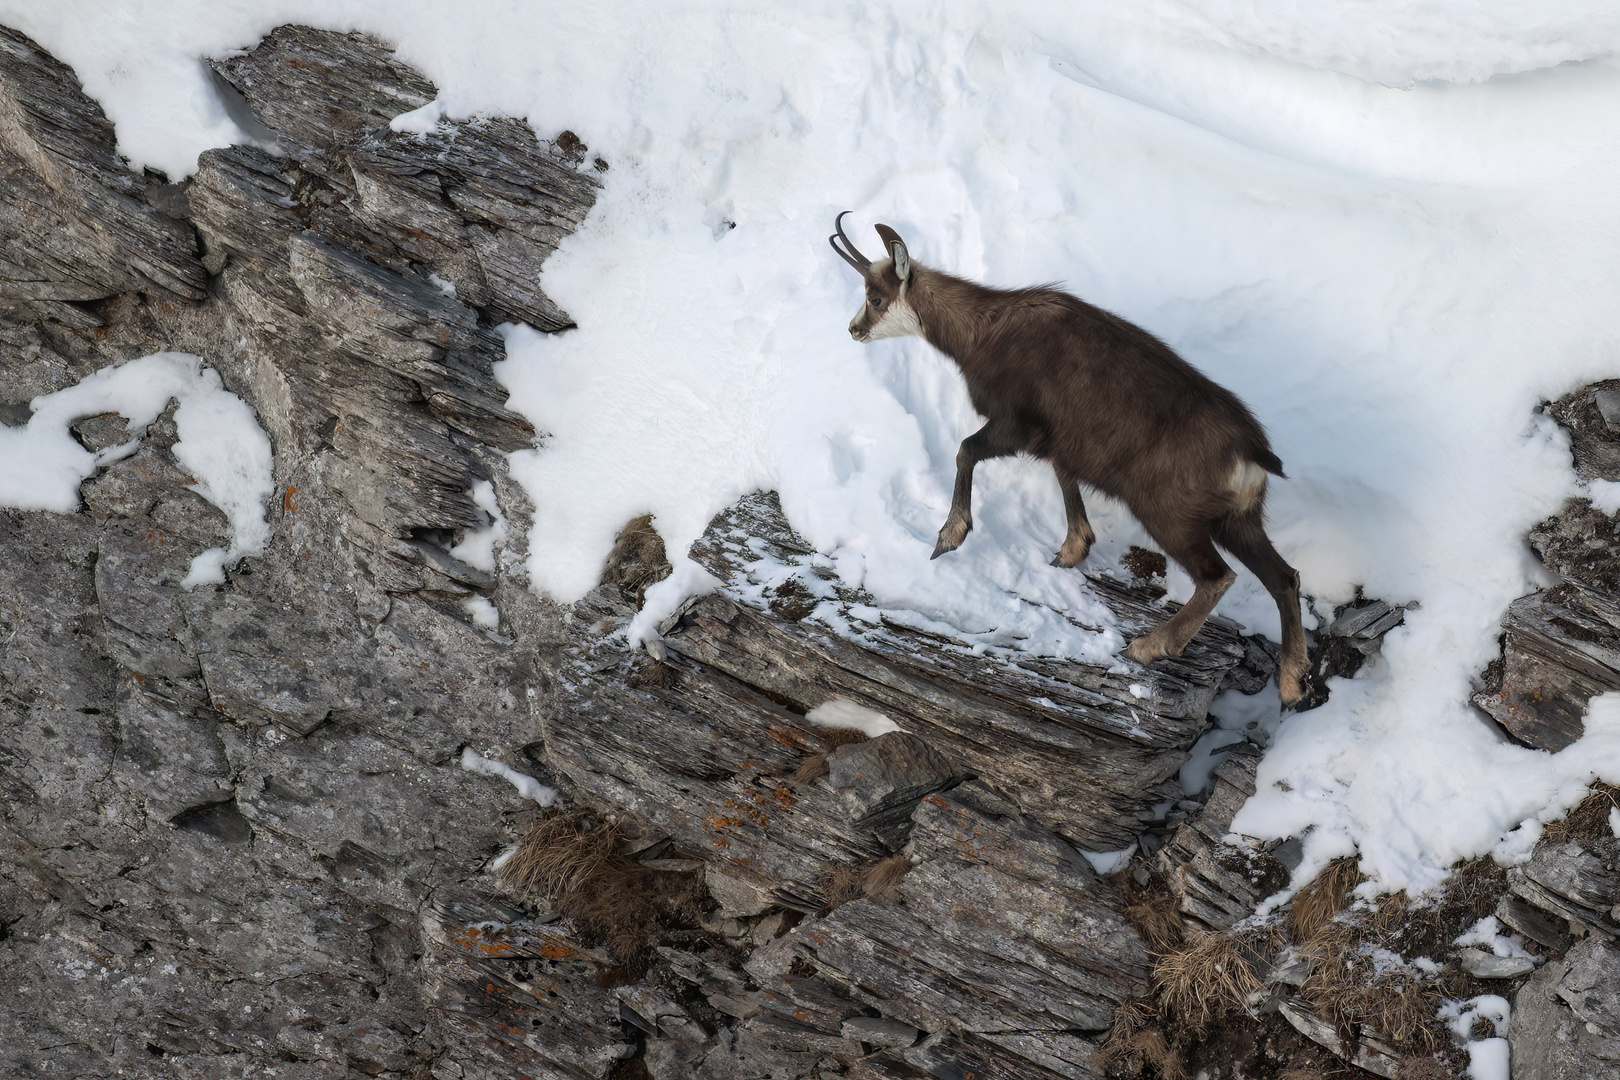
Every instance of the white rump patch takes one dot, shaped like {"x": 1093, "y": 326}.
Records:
{"x": 1248, "y": 483}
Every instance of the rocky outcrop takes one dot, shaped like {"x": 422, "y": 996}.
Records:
{"x": 234, "y": 822}
{"x": 1566, "y": 1020}
{"x": 1561, "y": 646}
{"x": 236, "y": 833}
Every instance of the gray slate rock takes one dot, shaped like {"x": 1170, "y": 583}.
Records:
{"x": 1574, "y": 881}
{"x": 1484, "y": 965}
{"x": 1561, "y": 648}
{"x": 880, "y": 781}
{"x": 1566, "y": 1018}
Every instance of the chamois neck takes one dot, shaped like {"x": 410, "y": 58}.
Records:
{"x": 954, "y": 313}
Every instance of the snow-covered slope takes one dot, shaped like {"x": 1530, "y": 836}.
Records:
{"x": 1392, "y": 228}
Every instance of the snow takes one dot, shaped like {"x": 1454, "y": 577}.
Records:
{"x": 527, "y": 786}
{"x": 1237, "y": 717}
{"x": 1487, "y": 1058}
{"x": 1487, "y": 933}
{"x": 1110, "y": 862}
{"x": 1390, "y": 226}
{"x": 842, "y": 713}
{"x": 477, "y": 547}
{"x": 483, "y": 612}
{"x": 220, "y": 444}
{"x": 1605, "y": 496}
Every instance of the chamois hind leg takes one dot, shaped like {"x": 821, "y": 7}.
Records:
{"x": 995, "y": 439}
{"x": 1211, "y": 578}
{"x": 1079, "y": 538}
{"x": 1245, "y": 537}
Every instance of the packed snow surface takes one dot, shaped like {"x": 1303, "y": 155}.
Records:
{"x": 1391, "y": 226}
{"x": 221, "y": 443}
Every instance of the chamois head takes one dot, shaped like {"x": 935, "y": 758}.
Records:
{"x": 885, "y": 313}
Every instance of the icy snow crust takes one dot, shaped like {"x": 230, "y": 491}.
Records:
{"x": 1390, "y": 226}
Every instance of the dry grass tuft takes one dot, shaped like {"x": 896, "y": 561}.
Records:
{"x": 815, "y": 766}
{"x": 1346, "y": 989}
{"x": 1210, "y": 977}
{"x": 879, "y": 880}
{"x": 638, "y": 559}
{"x": 576, "y": 864}
{"x": 811, "y": 768}
{"x": 1423, "y": 1067}
{"x": 1316, "y": 904}
{"x": 882, "y": 879}
{"x": 1135, "y": 1043}
{"x": 1152, "y": 911}
{"x": 1590, "y": 819}
{"x": 841, "y": 884}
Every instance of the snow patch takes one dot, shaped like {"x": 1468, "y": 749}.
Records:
{"x": 843, "y": 713}
{"x": 483, "y": 612}
{"x": 420, "y": 121}
{"x": 526, "y": 785}
{"x": 1487, "y": 933}
{"x": 221, "y": 444}
{"x": 1488, "y": 1057}
{"x": 477, "y": 547}
{"x": 1109, "y": 862}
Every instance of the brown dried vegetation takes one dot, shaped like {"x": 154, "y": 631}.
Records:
{"x": 1346, "y": 989}
{"x": 832, "y": 738}
{"x": 1590, "y": 819}
{"x": 577, "y": 865}
{"x": 1211, "y": 977}
{"x": 1323, "y": 898}
{"x": 1151, "y": 910}
{"x": 854, "y": 881}
{"x": 1135, "y": 1043}
{"x": 638, "y": 559}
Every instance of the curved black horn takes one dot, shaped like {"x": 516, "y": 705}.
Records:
{"x": 853, "y": 255}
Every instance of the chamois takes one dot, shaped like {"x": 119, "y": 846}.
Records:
{"x": 1108, "y": 405}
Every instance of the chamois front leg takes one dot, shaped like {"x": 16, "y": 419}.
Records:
{"x": 1211, "y": 578}
{"x": 991, "y": 441}
{"x": 1079, "y": 538}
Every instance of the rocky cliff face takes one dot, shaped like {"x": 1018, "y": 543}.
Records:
{"x": 238, "y": 837}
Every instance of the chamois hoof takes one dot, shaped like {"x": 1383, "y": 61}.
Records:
{"x": 1069, "y": 561}
{"x": 1071, "y": 554}
{"x": 1150, "y": 647}
{"x": 1290, "y": 688}
{"x": 1144, "y": 650}
{"x": 951, "y": 537}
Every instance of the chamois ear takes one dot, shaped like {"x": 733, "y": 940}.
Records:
{"x": 897, "y": 251}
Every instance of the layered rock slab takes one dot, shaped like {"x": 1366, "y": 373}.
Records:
{"x": 226, "y": 809}
{"x": 999, "y": 948}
